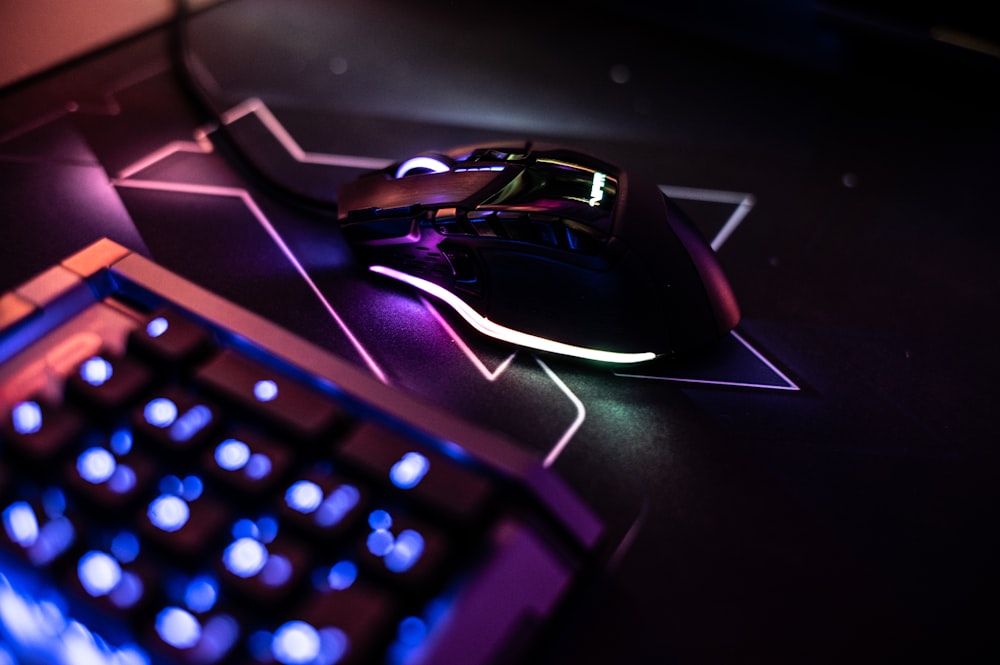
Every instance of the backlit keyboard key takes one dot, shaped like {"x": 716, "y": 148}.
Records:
{"x": 189, "y": 638}
{"x": 111, "y": 473}
{"x": 283, "y": 401}
{"x": 333, "y": 626}
{"x": 115, "y": 581}
{"x": 402, "y": 550}
{"x": 247, "y": 460}
{"x": 41, "y": 529}
{"x": 38, "y": 430}
{"x": 182, "y": 518}
{"x": 170, "y": 339}
{"x": 175, "y": 420}
{"x": 323, "y": 504}
{"x": 108, "y": 382}
{"x": 429, "y": 477}
{"x": 260, "y": 564}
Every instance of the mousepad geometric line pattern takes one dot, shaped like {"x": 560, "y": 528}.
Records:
{"x": 255, "y": 107}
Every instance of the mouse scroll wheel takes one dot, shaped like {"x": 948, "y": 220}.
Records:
{"x": 422, "y": 164}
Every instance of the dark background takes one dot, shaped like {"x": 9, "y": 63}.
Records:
{"x": 851, "y": 520}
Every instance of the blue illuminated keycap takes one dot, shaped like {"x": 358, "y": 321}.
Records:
{"x": 170, "y": 339}
{"x": 175, "y": 420}
{"x": 189, "y": 637}
{"x": 112, "y": 472}
{"x": 323, "y": 504}
{"x": 108, "y": 382}
{"x": 40, "y": 528}
{"x": 331, "y": 626}
{"x": 284, "y": 402}
{"x": 38, "y": 430}
{"x": 399, "y": 547}
{"x": 435, "y": 481}
{"x": 181, "y": 518}
{"x": 260, "y": 563}
{"x": 113, "y": 580}
{"x": 247, "y": 460}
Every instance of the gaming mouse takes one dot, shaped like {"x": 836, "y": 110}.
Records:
{"x": 544, "y": 247}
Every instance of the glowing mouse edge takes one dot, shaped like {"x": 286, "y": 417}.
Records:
{"x": 487, "y": 327}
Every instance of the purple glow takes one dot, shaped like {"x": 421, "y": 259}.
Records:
{"x": 509, "y": 335}
{"x": 422, "y": 163}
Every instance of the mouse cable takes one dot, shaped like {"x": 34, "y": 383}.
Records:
{"x": 186, "y": 68}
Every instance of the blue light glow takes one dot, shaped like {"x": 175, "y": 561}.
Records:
{"x": 380, "y": 542}
{"x": 304, "y": 496}
{"x": 121, "y": 442}
{"x": 258, "y": 466}
{"x": 336, "y": 506}
{"x": 160, "y": 412}
{"x": 265, "y": 390}
{"x": 99, "y": 573}
{"x": 245, "y": 557}
{"x": 122, "y": 481}
{"x": 157, "y": 327}
{"x": 125, "y": 546}
{"x": 96, "y": 465}
{"x": 277, "y": 571}
{"x": 190, "y": 423}
{"x": 412, "y": 631}
{"x": 405, "y": 552}
{"x": 192, "y": 487}
{"x": 299, "y": 643}
{"x": 26, "y": 417}
{"x": 54, "y": 538}
{"x": 37, "y": 627}
{"x": 342, "y": 575}
{"x": 178, "y": 627}
{"x": 245, "y": 528}
{"x": 53, "y": 502}
{"x": 128, "y": 592}
{"x": 201, "y": 594}
{"x": 379, "y": 519}
{"x": 409, "y": 470}
{"x": 96, "y": 371}
{"x": 169, "y": 512}
{"x": 267, "y": 528}
{"x": 333, "y": 645}
{"x": 295, "y": 643}
{"x": 232, "y": 454}
{"x": 170, "y": 484}
{"x": 21, "y": 523}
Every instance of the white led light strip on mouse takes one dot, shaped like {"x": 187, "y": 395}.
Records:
{"x": 497, "y": 331}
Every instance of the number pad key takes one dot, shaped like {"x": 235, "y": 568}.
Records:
{"x": 438, "y": 482}
{"x": 260, "y": 564}
{"x": 182, "y": 518}
{"x": 247, "y": 461}
{"x": 111, "y": 473}
{"x": 323, "y": 504}
{"x": 403, "y": 550}
{"x": 175, "y": 420}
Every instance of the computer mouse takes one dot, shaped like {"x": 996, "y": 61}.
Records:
{"x": 544, "y": 247}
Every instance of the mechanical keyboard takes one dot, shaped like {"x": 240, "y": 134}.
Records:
{"x": 182, "y": 481}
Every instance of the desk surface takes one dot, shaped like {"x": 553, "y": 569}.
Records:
{"x": 821, "y": 488}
